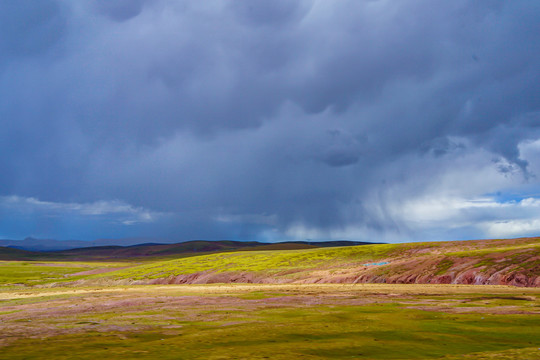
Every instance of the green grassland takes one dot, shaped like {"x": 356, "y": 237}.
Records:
{"x": 32, "y": 273}
{"x": 275, "y": 322}
{"x": 62, "y": 309}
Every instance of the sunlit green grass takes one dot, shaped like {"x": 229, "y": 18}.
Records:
{"x": 377, "y": 331}
{"x": 38, "y": 273}
{"x": 267, "y": 262}
{"x": 498, "y": 249}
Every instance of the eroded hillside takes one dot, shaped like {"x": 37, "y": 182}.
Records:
{"x": 499, "y": 262}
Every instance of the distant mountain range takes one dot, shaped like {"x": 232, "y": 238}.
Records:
{"x": 33, "y": 244}
{"x": 56, "y": 245}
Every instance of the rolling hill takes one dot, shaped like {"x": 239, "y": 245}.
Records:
{"x": 509, "y": 262}
{"x": 499, "y": 262}
{"x": 151, "y": 250}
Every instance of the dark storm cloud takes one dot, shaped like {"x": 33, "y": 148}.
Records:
{"x": 339, "y": 148}
{"x": 268, "y": 118}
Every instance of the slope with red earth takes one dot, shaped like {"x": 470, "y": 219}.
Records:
{"x": 497, "y": 262}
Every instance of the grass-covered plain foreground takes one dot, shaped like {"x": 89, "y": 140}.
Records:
{"x": 289, "y": 321}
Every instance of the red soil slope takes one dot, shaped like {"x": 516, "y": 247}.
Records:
{"x": 497, "y": 262}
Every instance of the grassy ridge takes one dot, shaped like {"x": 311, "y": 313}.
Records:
{"x": 430, "y": 258}
{"x": 150, "y": 251}
{"x": 395, "y": 263}
{"x": 266, "y": 262}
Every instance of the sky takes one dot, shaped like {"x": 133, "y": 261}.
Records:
{"x": 270, "y": 120}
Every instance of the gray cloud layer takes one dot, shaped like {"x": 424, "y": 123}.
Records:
{"x": 270, "y": 118}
